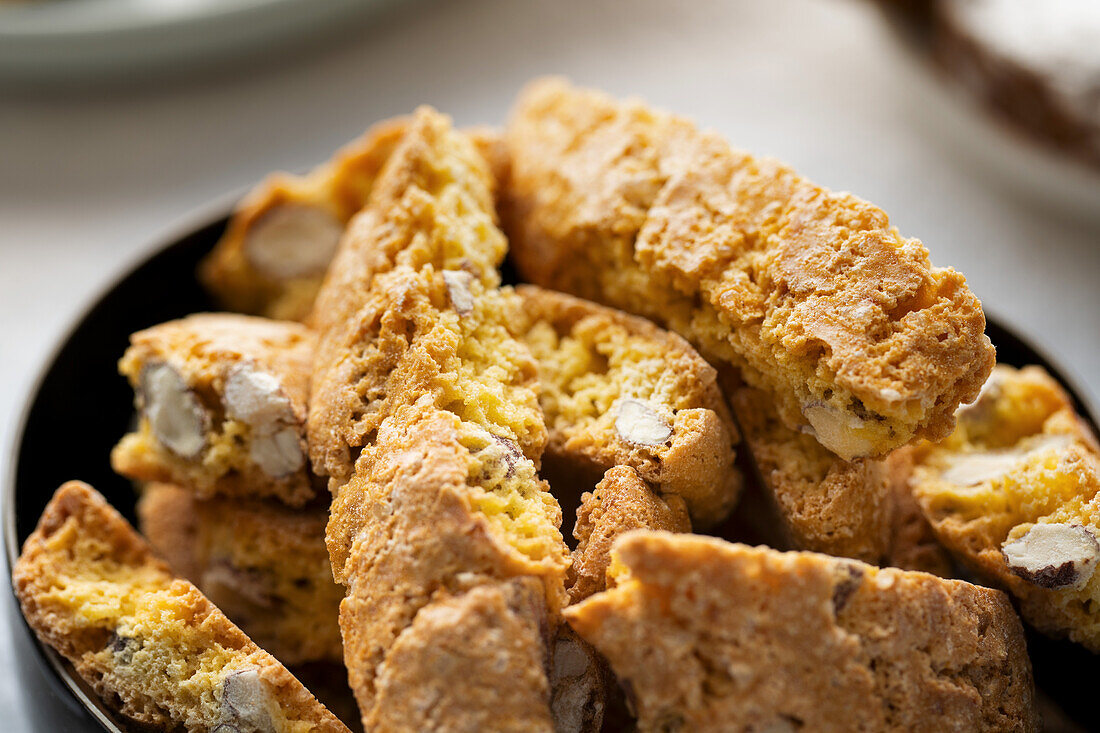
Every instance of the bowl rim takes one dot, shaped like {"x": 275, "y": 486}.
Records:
{"x": 199, "y": 218}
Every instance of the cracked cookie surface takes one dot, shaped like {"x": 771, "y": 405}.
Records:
{"x": 621, "y": 502}
{"x": 710, "y": 636}
{"x": 425, "y": 417}
{"x": 810, "y": 293}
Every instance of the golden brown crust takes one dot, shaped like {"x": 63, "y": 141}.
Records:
{"x": 473, "y": 662}
{"x": 263, "y": 564}
{"x": 811, "y": 293}
{"x": 432, "y": 204}
{"x": 282, "y": 281}
{"x": 427, "y": 237}
{"x": 592, "y": 358}
{"x": 1020, "y": 459}
{"x": 206, "y": 351}
{"x": 620, "y": 503}
{"x": 710, "y": 636}
{"x": 826, "y": 504}
{"x": 336, "y": 189}
{"x": 421, "y": 373}
{"x": 411, "y": 526}
{"x": 913, "y": 543}
{"x": 153, "y": 647}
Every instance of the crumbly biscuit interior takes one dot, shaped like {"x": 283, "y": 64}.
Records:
{"x": 1020, "y": 457}
{"x": 156, "y": 647}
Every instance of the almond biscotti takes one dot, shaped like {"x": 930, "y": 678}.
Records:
{"x": 265, "y": 565}
{"x": 1014, "y": 493}
{"x": 430, "y": 232}
{"x": 283, "y": 234}
{"x": 439, "y": 508}
{"x": 281, "y": 238}
{"x": 425, "y": 416}
{"x": 222, "y": 407}
{"x": 616, "y": 390}
{"x": 621, "y": 502}
{"x": 711, "y": 636}
{"x": 153, "y": 647}
{"x": 825, "y": 504}
{"x": 810, "y": 293}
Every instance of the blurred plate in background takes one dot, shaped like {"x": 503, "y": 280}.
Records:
{"x": 999, "y": 115}
{"x": 87, "y": 40}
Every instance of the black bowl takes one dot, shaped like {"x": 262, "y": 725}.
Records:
{"x": 81, "y": 406}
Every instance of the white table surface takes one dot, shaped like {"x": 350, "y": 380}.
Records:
{"x": 89, "y": 179}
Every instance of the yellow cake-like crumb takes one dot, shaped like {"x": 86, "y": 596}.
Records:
{"x": 1020, "y": 457}
{"x": 601, "y": 371}
{"x": 153, "y": 647}
{"x": 204, "y": 366}
{"x": 263, "y": 564}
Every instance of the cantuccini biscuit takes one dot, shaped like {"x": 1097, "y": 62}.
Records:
{"x": 825, "y": 504}
{"x": 621, "y": 502}
{"x": 437, "y": 508}
{"x": 861, "y": 509}
{"x": 222, "y": 407}
{"x": 278, "y": 244}
{"x": 152, "y": 646}
{"x": 430, "y": 227}
{"x": 617, "y": 390}
{"x": 810, "y": 293}
{"x": 711, "y": 636}
{"x": 265, "y": 565}
{"x": 425, "y": 417}
{"x": 1013, "y": 494}
{"x": 584, "y": 691}
{"x": 272, "y": 258}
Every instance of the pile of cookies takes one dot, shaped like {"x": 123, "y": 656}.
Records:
{"x": 380, "y": 479}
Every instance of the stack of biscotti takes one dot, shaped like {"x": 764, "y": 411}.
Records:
{"x": 679, "y": 296}
{"x": 229, "y": 498}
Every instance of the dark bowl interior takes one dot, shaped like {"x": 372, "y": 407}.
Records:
{"x": 82, "y": 406}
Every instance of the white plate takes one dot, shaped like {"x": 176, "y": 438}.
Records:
{"x": 80, "y": 40}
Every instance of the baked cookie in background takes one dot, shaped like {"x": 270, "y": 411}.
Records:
{"x": 616, "y": 390}
{"x": 1013, "y": 494}
{"x": 280, "y": 239}
{"x": 710, "y": 636}
{"x": 151, "y": 646}
{"x": 265, "y": 565}
{"x": 221, "y": 402}
{"x": 810, "y": 293}
{"x": 283, "y": 234}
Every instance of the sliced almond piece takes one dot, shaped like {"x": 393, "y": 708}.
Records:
{"x": 1053, "y": 555}
{"x": 637, "y": 422}
{"x": 293, "y": 240}
{"x": 175, "y": 415}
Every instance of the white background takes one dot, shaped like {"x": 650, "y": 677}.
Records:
{"x": 91, "y": 177}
